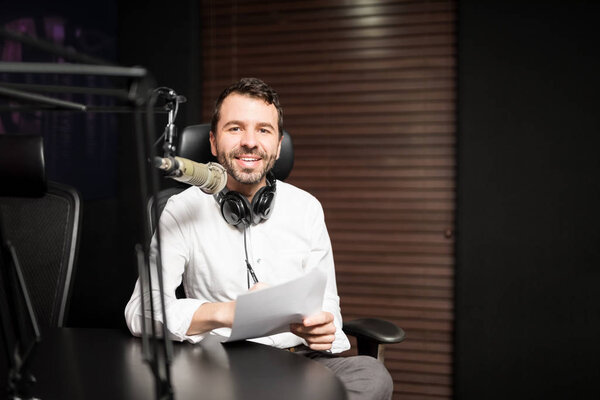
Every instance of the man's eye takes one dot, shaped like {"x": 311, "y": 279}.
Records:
{"x": 234, "y": 128}
{"x": 264, "y": 130}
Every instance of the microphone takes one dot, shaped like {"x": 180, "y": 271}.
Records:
{"x": 210, "y": 178}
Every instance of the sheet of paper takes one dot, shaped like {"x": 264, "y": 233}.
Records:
{"x": 271, "y": 310}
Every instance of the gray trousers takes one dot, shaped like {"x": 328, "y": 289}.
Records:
{"x": 364, "y": 377}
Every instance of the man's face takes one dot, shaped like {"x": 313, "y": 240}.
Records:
{"x": 246, "y": 141}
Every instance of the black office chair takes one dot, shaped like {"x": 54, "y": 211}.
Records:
{"x": 193, "y": 143}
{"x": 42, "y": 221}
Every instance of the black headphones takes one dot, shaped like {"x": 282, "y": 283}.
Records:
{"x": 236, "y": 209}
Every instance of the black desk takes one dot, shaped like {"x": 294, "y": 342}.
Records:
{"x": 107, "y": 364}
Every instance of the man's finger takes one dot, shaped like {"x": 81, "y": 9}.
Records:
{"x": 318, "y": 319}
{"x": 320, "y": 346}
{"x": 321, "y": 339}
{"x": 326, "y": 329}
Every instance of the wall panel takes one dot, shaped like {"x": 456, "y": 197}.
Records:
{"x": 527, "y": 298}
{"x": 368, "y": 90}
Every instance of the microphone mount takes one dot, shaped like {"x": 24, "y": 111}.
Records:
{"x": 172, "y": 101}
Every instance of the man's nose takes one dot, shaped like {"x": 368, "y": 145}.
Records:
{"x": 248, "y": 139}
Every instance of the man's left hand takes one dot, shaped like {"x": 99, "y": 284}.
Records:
{"x": 318, "y": 330}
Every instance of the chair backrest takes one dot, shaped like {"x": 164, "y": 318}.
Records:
{"x": 44, "y": 231}
{"x": 193, "y": 144}
{"x": 22, "y": 166}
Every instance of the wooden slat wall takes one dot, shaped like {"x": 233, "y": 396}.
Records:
{"x": 368, "y": 90}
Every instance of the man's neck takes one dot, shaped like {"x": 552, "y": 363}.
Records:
{"x": 248, "y": 190}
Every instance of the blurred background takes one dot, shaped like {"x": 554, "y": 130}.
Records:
{"x": 453, "y": 145}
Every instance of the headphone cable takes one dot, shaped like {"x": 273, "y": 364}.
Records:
{"x": 250, "y": 270}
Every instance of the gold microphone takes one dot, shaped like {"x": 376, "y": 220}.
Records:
{"x": 210, "y": 178}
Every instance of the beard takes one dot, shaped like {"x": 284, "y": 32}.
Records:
{"x": 247, "y": 176}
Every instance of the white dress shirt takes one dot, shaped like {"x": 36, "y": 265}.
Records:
{"x": 207, "y": 253}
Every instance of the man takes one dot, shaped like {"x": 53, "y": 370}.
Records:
{"x": 215, "y": 257}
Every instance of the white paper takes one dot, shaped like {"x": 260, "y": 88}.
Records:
{"x": 271, "y": 310}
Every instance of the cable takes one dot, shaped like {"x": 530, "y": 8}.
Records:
{"x": 250, "y": 270}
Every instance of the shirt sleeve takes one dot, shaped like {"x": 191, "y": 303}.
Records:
{"x": 321, "y": 256}
{"x": 174, "y": 256}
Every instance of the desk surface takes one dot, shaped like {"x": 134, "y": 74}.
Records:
{"x": 107, "y": 364}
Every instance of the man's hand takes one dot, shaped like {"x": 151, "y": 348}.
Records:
{"x": 211, "y": 316}
{"x": 318, "y": 330}
{"x": 258, "y": 286}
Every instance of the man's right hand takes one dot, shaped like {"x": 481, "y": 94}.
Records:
{"x": 211, "y": 316}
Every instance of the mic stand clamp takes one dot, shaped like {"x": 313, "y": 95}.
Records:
{"x": 171, "y": 130}
{"x": 172, "y": 101}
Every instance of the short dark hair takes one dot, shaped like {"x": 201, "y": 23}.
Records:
{"x": 252, "y": 87}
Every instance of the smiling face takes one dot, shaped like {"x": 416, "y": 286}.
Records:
{"x": 246, "y": 141}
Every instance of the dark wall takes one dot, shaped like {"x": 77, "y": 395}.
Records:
{"x": 166, "y": 41}
{"x": 528, "y": 252}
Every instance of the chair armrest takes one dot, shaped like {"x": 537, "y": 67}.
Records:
{"x": 370, "y": 333}
{"x": 374, "y": 329}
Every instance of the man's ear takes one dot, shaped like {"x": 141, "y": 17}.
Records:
{"x": 213, "y": 146}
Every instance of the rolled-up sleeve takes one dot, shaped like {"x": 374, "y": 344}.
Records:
{"x": 179, "y": 312}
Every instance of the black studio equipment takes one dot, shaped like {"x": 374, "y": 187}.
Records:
{"x": 19, "y": 329}
{"x": 23, "y": 176}
{"x": 131, "y": 89}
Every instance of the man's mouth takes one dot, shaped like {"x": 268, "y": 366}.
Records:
{"x": 248, "y": 161}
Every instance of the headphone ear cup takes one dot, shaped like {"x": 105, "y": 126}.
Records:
{"x": 262, "y": 204}
{"x": 264, "y": 200}
{"x": 236, "y": 209}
